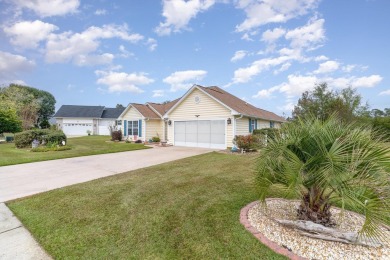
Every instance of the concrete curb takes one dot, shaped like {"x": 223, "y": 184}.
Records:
{"x": 272, "y": 245}
{"x": 16, "y": 242}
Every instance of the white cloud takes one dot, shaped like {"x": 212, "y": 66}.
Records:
{"x": 297, "y": 84}
{"x": 308, "y": 36}
{"x": 88, "y": 60}
{"x": 321, "y": 58}
{"x": 272, "y": 35}
{"x": 184, "y": 79}
{"x": 238, "y": 55}
{"x": 265, "y": 93}
{"x": 11, "y": 66}
{"x": 28, "y": 34}
{"x": 44, "y": 8}
{"x": 348, "y": 68}
{"x": 100, "y": 12}
{"x": 125, "y": 53}
{"x": 243, "y": 75}
{"x": 260, "y": 12}
{"x": 158, "y": 93}
{"x": 123, "y": 82}
{"x": 284, "y": 67}
{"x": 69, "y": 46}
{"x": 366, "y": 82}
{"x": 178, "y": 13}
{"x": 327, "y": 66}
{"x": 152, "y": 43}
{"x": 386, "y": 92}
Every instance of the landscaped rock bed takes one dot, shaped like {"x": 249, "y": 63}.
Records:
{"x": 261, "y": 218}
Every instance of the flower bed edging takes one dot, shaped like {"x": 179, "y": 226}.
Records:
{"x": 272, "y": 245}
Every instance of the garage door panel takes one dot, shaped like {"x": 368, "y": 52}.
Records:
{"x": 180, "y": 136}
{"x": 76, "y": 129}
{"x": 201, "y": 133}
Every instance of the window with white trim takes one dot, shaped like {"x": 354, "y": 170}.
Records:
{"x": 118, "y": 122}
{"x": 271, "y": 124}
{"x": 132, "y": 127}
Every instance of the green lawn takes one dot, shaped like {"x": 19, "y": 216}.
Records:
{"x": 81, "y": 146}
{"x": 184, "y": 209}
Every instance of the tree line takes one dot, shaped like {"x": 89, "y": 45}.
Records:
{"x": 23, "y": 108}
{"x": 346, "y": 104}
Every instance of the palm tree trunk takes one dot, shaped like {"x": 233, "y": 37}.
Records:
{"x": 315, "y": 207}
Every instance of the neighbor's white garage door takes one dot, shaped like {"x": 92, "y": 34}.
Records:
{"x": 201, "y": 133}
{"x": 76, "y": 128}
{"x": 104, "y": 127}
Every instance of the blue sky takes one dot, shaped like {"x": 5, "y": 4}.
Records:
{"x": 266, "y": 52}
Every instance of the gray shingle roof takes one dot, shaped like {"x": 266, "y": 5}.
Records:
{"x": 112, "y": 112}
{"x": 79, "y": 111}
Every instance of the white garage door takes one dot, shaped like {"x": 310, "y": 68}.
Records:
{"x": 202, "y": 133}
{"x": 103, "y": 130}
{"x": 76, "y": 128}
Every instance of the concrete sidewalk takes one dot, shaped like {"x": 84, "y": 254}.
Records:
{"x": 15, "y": 240}
{"x": 17, "y": 181}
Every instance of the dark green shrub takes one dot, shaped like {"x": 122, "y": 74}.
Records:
{"x": 45, "y": 124}
{"x": 247, "y": 142}
{"x": 156, "y": 139}
{"x": 116, "y": 135}
{"x": 54, "y": 137}
{"x": 138, "y": 141}
{"x": 25, "y": 138}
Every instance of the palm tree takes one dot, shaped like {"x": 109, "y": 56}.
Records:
{"x": 327, "y": 163}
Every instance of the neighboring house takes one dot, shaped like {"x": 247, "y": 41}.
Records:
{"x": 79, "y": 120}
{"x": 204, "y": 117}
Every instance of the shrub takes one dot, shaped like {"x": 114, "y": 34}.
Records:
{"x": 138, "y": 141}
{"x": 247, "y": 142}
{"x": 155, "y": 139}
{"x": 267, "y": 133}
{"x": 54, "y": 137}
{"x": 25, "y": 138}
{"x": 116, "y": 135}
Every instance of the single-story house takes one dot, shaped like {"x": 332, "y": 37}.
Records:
{"x": 204, "y": 117}
{"x": 81, "y": 120}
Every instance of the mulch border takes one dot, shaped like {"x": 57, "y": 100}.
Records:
{"x": 272, "y": 245}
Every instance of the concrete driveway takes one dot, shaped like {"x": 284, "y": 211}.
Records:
{"x": 17, "y": 181}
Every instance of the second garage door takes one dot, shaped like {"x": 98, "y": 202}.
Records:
{"x": 201, "y": 133}
{"x": 76, "y": 129}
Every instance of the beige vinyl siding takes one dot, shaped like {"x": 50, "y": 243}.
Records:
{"x": 207, "y": 109}
{"x": 242, "y": 126}
{"x": 262, "y": 124}
{"x": 153, "y": 128}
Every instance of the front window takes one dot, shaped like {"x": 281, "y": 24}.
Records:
{"x": 271, "y": 124}
{"x": 132, "y": 128}
{"x": 253, "y": 124}
{"x": 118, "y": 122}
